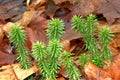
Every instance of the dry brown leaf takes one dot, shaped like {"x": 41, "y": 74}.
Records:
{"x": 6, "y": 28}
{"x": 1, "y": 35}
{"x": 95, "y": 73}
{"x": 62, "y": 71}
{"x": 65, "y": 9}
{"x": 110, "y": 9}
{"x": 51, "y": 8}
{"x": 36, "y": 4}
{"x": 66, "y": 45}
{"x": 10, "y": 8}
{"x": 27, "y": 17}
{"x": 39, "y": 22}
{"x": 7, "y": 73}
{"x": 71, "y": 34}
{"x": 6, "y": 58}
{"x": 14, "y": 72}
{"x": 34, "y": 35}
{"x": 61, "y": 78}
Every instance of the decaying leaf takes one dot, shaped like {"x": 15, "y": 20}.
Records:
{"x": 66, "y": 45}
{"x": 1, "y": 35}
{"x": 27, "y": 17}
{"x": 95, "y": 73}
{"x": 61, "y": 78}
{"x": 7, "y": 73}
{"x": 71, "y": 34}
{"x": 6, "y": 28}
{"x": 10, "y": 8}
{"x": 14, "y": 72}
{"x": 36, "y": 4}
{"x": 110, "y": 9}
{"x": 39, "y": 22}
{"x": 34, "y": 35}
{"x": 6, "y": 58}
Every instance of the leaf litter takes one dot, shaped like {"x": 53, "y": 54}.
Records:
{"x": 35, "y": 17}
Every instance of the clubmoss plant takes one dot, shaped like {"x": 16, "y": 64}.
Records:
{"x": 105, "y": 37}
{"x": 54, "y": 33}
{"x": 54, "y": 49}
{"x": 55, "y": 29}
{"x": 18, "y": 37}
{"x": 48, "y": 62}
{"x": 50, "y": 66}
{"x": 83, "y": 58}
{"x": 39, "y": 52}
{"x": 68, "y": 63}
{"x": 48, "y": 57}
{"x": 87, "y": 28}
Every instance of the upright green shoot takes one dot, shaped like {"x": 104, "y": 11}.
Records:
{"x": 54, "y": 49}
{"x": 87, "y": 29}
{"x": 105, "y": 36}
{"x": 68, "y": 63}
{"x": 55, "y": 29}
{"x": 39, "y": 52}
{"x": 83, "y": 59}
{"x": 55, "y": 33}
{"x": 18, "y": 37}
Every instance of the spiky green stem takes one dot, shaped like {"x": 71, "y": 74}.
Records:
{"x": 55, "y": 29}
{"x": 67, "y": 61}
{"x": 105, "y": 36}
{"x": 18, "y": 37}
{"x": 83, "y": 59}
{"x": 54, "y": 50}
{"x": 39, "y": 52}
{"x": 87, "y": 29}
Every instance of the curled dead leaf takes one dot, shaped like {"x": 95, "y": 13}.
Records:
{"x": 26, "y": 19}
{"x": 35, "y": 4}
{"x": 7, "y": 27}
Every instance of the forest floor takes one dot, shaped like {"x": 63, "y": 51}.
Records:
{"x": 34, "y": 16}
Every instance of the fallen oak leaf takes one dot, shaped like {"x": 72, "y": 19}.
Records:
{"x": 7, "y": 73}
{"x": 14, "y": 72}
{"x": 36, "y": 4}
{"x": 110, "y": 9}
{"x": 26, "y": 19}
{"x": 39, "y": 22}
{"x": 6, "y": 28}
{"x": 34, "y": 35}
{"x": 6, "y": 58}
{"x": 6, "y": 8}
{"x": 95, "y": 73}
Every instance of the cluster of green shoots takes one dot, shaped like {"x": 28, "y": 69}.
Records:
{"x": 98, "y": 52}
{"x": 49, "y": 57}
